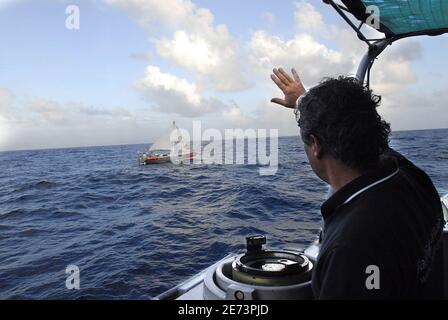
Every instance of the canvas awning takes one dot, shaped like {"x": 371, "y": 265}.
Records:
{"x": 402, "y": 18}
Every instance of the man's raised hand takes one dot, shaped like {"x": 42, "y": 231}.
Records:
{"x": 292, "y": 88}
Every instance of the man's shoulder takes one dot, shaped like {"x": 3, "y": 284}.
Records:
{"x": 412, "y": 173}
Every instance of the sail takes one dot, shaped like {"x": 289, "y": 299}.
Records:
{"x": 164, "y": 142}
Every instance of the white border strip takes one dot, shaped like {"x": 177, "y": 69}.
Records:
{"x": 371, "y": 186}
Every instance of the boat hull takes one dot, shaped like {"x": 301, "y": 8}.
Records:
{"x": 156, "y": 160}
{"x": 160, "y": 159}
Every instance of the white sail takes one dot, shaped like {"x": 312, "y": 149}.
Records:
{"x": 164, "y": 142}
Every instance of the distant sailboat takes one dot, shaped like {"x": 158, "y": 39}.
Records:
{"x": 161, "y": 150}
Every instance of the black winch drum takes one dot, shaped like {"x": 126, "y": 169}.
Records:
{"x": 260, "y": 275}
{"x": 271, "y": 268}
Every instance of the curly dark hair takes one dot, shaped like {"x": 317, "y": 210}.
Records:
{"x": 342, "y": 114}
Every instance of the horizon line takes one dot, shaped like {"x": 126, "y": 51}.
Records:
{"x": 149, "y": 143}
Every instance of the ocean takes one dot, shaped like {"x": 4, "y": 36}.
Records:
{"x": 135, "y": 231}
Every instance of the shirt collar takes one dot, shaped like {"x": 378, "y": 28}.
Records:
{"x": 348, "y": 192}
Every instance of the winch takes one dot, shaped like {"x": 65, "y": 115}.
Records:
{"x": 260, "y": 274}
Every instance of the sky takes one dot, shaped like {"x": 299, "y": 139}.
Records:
{"x": 134, "y": 66}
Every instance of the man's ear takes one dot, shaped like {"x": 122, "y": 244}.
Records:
{"x": 316, "y": 147}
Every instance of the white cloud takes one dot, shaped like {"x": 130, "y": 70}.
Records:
{"x": 312, "y": 59}
{"x": 307, "y": 18}
{"x": 156, "y": 80}
{"x": 114, "y": 131}
{"x": 409, "y": 109}
{"x": 197, "y": 44}
{"x": 315, "y": 59}
{"x": 69, "y": 113}
{"x": 175, "y": 95}
{"x": 41, "y": 122}
{"x": 266, "y": 116}
{"x": 190, "y": 51}
{"x": 393, "y": 72}
{"x": 389, "y": 77}
{"x": 234, "y": 117}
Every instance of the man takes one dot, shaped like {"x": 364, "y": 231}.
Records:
{"x": 382, "y": 233}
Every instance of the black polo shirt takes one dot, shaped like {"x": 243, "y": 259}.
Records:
{"x": 382, "y": 237}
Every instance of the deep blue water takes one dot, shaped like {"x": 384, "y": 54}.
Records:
{"x": 136, "y": 231}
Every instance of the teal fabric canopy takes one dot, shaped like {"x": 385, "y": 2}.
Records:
{"x": 402, "y": 17}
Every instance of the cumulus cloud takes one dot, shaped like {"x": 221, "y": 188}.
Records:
{"x": 313, "y": 59}
{"x": 157, "y": 80}
{"x": 176, "y": 95}
{"x": 211, "y": 56}
{"x": 307, "y": 18}
{"x": 197, "y": 44}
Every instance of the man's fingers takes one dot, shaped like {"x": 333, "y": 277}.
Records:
{"x": 278, "y": 82}
{"x": 281, "y": 77}
{"x": 296, "y": 75}
{"x": 281, "y": 102}
{"x": 283, "y": 72}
